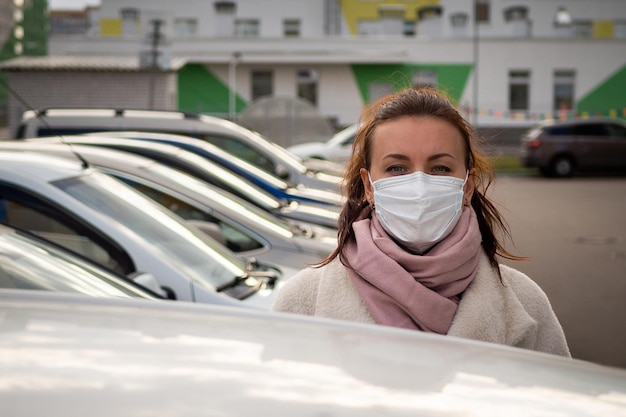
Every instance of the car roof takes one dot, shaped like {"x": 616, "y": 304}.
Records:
{"x": 75, "y": 356}
{"x": 44, "y": 167}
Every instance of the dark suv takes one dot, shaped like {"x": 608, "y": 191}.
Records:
{"x": 559, "y": 148}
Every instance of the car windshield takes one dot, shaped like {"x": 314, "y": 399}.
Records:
{"x": 228, "y": 204}
{"x": 285, "y": 156}
{"x": 27, "y": 263}
{"x": 239, "y": 185}
{"x": 344, "y": 137}
{"x": 201, "y": 258}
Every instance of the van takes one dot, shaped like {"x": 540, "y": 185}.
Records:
{"x": 231, "y": 137}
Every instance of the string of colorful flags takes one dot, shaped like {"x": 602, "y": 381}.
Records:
{"x": 520, "y": 115}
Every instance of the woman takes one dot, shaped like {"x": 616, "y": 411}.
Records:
{"x": 417, "y": 241}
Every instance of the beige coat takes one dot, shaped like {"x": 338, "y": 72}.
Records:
{"x": 517, "y": 313}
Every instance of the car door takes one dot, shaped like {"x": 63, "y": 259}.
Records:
{"x": 595, "y": 144}
{"x": 618, "y": 145}
{"x": 22, "y": 209}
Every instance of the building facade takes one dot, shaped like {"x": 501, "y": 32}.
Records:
{"x": 506, "y": 64}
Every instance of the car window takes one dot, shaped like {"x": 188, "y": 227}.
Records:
{"x": 560, "y": 130}
{"x": 235, "y": 239}
{"x": 25, "y": 211}
{"x": 616, "y": 130}
{"x": 201, "y": 258}
{"x": 63, "y": 131}
{"x": 592, "y": 129}
{"x": 27, "y": 263}
{"x": 241, "y": 150}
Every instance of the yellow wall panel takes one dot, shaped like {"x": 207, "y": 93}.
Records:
{"x": 602, "y": 29}
{"x": 110, "y": 27}
{"x": 355, "y": 10}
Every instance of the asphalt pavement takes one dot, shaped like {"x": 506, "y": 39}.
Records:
{"x": 574, "y": 233}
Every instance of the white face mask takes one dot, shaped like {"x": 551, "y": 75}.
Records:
{"x": 418, "y": 209}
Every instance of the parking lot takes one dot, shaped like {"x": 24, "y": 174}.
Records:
{"x": 574, "y": 234}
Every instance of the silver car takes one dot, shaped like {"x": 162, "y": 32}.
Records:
{"x": 68, "y": 356}
{"x": 105, "y": 220}
{"x": 229, "y": 136}
{"x": 242, "y": 227}
{"x": 202, "y": 168}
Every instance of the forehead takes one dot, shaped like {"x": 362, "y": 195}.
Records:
{"x": 417, "y": 135}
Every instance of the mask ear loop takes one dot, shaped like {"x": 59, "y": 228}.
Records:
{"x": 371, "y": 203}
{"x": 466, "y": 202}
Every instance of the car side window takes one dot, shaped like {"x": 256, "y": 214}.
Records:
{"x": 617, "y": 131}
{"x": 26, "y": 211}
{"x": 592, "y": 129}
{"x": 241, "y": 150}
{"x": 560, "y": 131}
{"x": 235, "y": 239}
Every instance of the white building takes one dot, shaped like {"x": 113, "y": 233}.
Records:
{"x": 506, "y": 63}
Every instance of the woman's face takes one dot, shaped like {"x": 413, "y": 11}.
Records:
{"x": 409, "y": 144}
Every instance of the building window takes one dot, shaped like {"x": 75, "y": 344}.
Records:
{"x": 185, "y": 27}
{"x": 225, "y": 18}
{"x": 516, "y": 18}
{"x": 262, "y": 84}
{"x": 619, "y": 29}
{"x": 429, "y": 20}
{"x": 564, "y": 82}
{"x": 247, "y": 28}
{"x": 425, "y": 78}
{"x": 307, "y": 85}
{"x": 409, "y": 28}
{"x": 391, "y": 19}
{"x": 519, "y": 87}
{"x": 459, "y": 24}
{"x": 379, "y": 90}
{"x": 130, "y": 21}
{"x": 482, "y": 11}
{"x": 225, "y": 7}
{"x": 583, "y": 28}
{"x": 291, "y": 28}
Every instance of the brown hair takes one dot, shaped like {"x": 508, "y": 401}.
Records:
{"x": 422, "y": 102}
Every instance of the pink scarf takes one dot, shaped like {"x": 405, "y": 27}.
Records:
{"x": 412, "y": 291}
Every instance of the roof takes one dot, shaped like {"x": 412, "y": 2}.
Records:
{"x": 81, "y": 63}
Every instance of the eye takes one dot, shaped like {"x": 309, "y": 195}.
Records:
{"x": 396, "y": 169}
{"x": 440, "y": 169}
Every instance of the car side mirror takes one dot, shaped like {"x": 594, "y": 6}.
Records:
{"x": 148, "y": 281}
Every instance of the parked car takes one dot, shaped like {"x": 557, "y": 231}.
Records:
{"x": 65, "y": 356}
{"x": 231, "y": 137}
{"x": 561, "y": 148}
{"x": 202, "y": 168}
{"x": 268, "y": 182}
{"x": 105, "y": 220}
{"x": 242, "y": 227}
{"x": 32, "y": 263}
{"x": 337, "y": 149}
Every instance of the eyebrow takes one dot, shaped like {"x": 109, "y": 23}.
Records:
{"x": 430, "y": 158}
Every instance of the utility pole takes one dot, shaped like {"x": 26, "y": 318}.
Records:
{"x": 155, "y": 41}
{"x": 475, "y": 86}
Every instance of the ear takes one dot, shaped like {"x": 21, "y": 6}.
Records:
{"x": 470, "y": 186}
{"x": 367, "y": 185}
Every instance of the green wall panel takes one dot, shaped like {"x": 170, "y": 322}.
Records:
{"x": 451, "y": 78}
{"x": 608, "y": 98}
{"x": 200, "y": 91}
